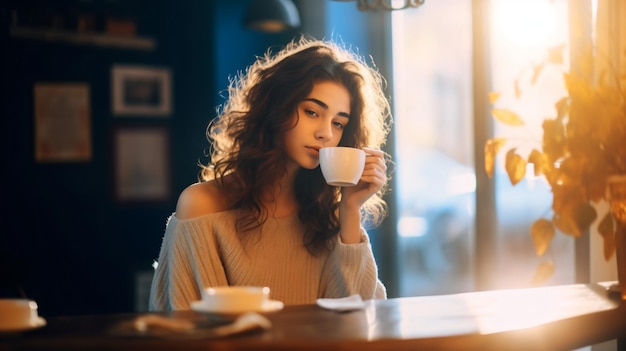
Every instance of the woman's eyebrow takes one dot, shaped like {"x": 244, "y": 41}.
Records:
{"x": 325, "y": 106}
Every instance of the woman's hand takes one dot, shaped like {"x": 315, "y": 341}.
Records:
{"x": 352, "y": 198}
{"x": 372, "y": 180}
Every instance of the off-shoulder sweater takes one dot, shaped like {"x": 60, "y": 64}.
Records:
{"x": 207, "y": 251}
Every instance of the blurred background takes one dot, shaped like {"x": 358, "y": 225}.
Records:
{"x": 105, "y": 103}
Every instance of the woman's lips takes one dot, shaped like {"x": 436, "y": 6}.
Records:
{"x": 314, "y": 150}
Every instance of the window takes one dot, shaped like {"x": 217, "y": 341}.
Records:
{"x": 435, "y": 175}
{"x": 434, "y": 172}
{"x": 516, "y": 47}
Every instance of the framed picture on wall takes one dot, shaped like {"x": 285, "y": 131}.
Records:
{"x": 141, "y": 91}
{"x": 141, "y": 166}
{"x": 62, "y": 122}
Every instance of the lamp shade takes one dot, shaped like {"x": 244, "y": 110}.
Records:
{"x": 272, "y": 16}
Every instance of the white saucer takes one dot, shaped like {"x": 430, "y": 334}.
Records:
{"x": 268, "y": 306}
{"x": 38, "y": 323}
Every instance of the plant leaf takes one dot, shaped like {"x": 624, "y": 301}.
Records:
{"x": 492, "y": 146}
{"x": 536, "y": 72}
{"x": 573, "y": 212}
{"x": 566, "y": 224}
{"x": 578, "y": 87}
{"x": 562, "y": 107}
{"x": 553, "y": 140}
{"x": 544, "y": 271}
{"x": 555, "y": 54}
{"x": 605, "y": 228}
{"x": 507, "y": 116}
{"x": 515, "y": 166}
{"x": 542, "y": 233}
{"x": 493, "y": 97}
{"x": 540, "y": 162}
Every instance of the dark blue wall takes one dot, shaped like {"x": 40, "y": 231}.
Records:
{"x": 79, "y": 248}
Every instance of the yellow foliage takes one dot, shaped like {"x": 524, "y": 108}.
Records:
{"x": 555, "y": 54}
{"x": 492, "y": 146}
{"x": 543, "y": 272}
{"x": 507, "y": 116}
{"x": 582, "y": 145}
{"x": 493, "y": 97}
{"x": 515, "y": 166}
{"x": 540, "y": 162}
{"x": 542, "y": 233}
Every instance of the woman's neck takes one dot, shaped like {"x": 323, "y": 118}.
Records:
{"x": 280, "y": 199}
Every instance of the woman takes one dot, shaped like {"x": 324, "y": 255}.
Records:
{"x": 262, "y": 214}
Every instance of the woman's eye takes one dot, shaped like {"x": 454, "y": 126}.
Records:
{"x": 310, "y": 113}
{"x": 339, "y": 125}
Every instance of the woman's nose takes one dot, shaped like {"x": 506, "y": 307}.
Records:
{"x": 323, "y": 131}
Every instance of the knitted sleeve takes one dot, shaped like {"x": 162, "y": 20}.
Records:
{"x": 188, "y": 261}
{"x": 351, "y": 269}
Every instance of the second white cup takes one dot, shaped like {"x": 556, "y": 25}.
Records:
{"x": 342, "y": 166}
{"x": 16, "y": 314}
{"x": 235, "y": 299}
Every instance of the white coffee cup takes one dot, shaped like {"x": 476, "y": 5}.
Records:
{"x": 17, "y": 314}
{"x": 342, "y": 166}
{"x": 235, "y": 299}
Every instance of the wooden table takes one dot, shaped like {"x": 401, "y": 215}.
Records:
{"x": 552, "y": 318}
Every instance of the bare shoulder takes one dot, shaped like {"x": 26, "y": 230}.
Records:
{"x": 202, "y": 198}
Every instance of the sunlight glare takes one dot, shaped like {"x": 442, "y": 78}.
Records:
{"x": 412, "y": 226}
{"x": 528, "y": 24}
{"x": 505, "y": 310}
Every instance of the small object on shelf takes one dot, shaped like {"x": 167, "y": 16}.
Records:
{"x": 86, "y": 23}
{"x": 121, "y": 27}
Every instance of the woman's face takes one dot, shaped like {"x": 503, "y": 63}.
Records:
{"x": 321, "y": 118}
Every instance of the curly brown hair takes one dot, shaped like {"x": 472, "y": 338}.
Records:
{"x": 246, "y": 137}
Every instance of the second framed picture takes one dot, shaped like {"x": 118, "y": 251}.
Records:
{"x": 141, "y": 91}
{"x": 141, "y": 165}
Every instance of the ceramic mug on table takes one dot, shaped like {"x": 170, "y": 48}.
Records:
{"x": 342, "y": 166}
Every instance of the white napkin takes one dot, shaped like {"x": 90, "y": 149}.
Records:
{"x": 344, "y": 304}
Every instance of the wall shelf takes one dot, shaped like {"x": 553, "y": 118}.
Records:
{"x": 104, "y": 40}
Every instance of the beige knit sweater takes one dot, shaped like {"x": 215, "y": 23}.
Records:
{"x": 206, "y": 251}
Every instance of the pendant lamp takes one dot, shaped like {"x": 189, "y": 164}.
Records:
{"x": 272, "y": 16}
